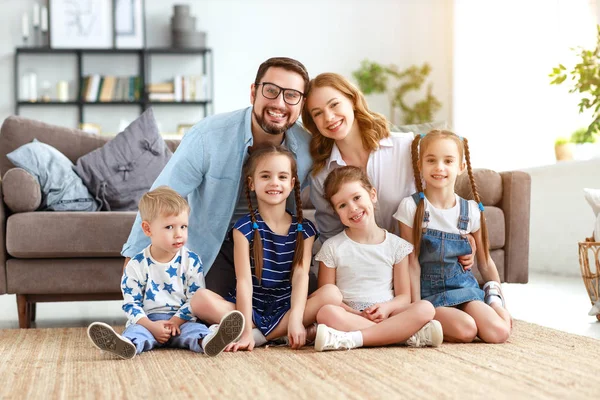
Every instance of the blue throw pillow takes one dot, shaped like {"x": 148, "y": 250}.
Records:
{"x": 62, "y": 189}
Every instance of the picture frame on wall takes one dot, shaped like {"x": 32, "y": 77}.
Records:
{"x": 86, "y": 24}
{"x": 130, "y": 24}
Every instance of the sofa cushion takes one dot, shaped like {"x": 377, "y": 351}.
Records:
{"x": 87, "y": 234}
{"x": 21, "y": 190}
{"x": 62, "y": 189}
{"x": 489, "y": 186}
{"x": 122, "y": 170}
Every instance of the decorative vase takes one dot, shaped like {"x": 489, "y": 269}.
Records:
{"x": 563, "y": 151}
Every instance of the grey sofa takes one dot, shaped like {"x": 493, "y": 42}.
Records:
{"x": 75, "y": 256}
{"x": 58, "y": 256}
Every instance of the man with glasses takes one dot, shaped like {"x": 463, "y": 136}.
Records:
{"x": 207, "y": 166}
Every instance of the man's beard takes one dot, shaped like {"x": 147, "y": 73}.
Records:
{"x": 270, "y": 128}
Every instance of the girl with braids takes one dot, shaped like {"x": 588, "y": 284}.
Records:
{"x": 272, "y": 255}
{"x": 345, "y": 132}
{"x": 436, "y": 221}
{"x": 370, "y": 267}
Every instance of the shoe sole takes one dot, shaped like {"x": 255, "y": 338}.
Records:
{"x": 106, "y": 339}
{"x": 320, "y": 337}
{"x": 437, "y": 335}
{"x": 230, "y": 329}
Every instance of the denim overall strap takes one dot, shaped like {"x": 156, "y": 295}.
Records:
{"x": 463, "y": 219}
{"x": 417, "y": 198}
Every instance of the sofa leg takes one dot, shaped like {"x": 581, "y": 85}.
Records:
{"x": 22, "y": 308}
{"x": 32, "y": 309}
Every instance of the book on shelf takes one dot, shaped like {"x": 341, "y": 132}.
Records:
{"x": 106, "y": 89}
{"x": 180, "y": 89}
{"x": 161, "y": 96}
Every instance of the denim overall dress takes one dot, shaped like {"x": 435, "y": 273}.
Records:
{"x": 444, "y": 282}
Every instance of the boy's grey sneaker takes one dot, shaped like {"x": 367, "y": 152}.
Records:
{"x": 105, "y": 338}
{"x": 331, "y": 339}
{"x": 431, "y": 334}
{"x": 228, "y": 331}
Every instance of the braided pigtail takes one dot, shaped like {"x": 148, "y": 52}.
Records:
{"x": 418, "y": 222}
{"x": 299, "y": 250}
{"x": 256, "y": 248}
{"x": 484, "y": 231}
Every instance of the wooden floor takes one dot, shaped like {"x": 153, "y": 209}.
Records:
{"x": 554, "y": 301}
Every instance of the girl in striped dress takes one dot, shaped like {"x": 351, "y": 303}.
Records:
{"x": 272, "y": 255}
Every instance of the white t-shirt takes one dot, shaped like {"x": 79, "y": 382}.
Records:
{"x": 364, "y": 272}
{"x": 439, "y": 219}
{"x": 390, "y": 171}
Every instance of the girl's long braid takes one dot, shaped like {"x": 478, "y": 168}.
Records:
{"x": 418, "y": 222}
{"x": 256, "y": 248}
{"x": 299, "y": 250}
{"x": 484, "y": 232}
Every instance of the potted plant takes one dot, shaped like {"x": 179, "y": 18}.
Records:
{"x": 373, "y": 77}
{"x": 563, "y": 148}
{"x": 584, "y": 142}
{"x": 585, "y": 80}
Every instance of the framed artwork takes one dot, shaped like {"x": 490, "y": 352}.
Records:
{"x": 129, "y": 24}
{"x": 81, "y": 24}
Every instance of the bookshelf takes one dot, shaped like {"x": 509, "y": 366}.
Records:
{"x": 144, "y": 58}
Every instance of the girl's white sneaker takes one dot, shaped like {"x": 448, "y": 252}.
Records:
{"x": 431, "y": 334}
{"x": 331, "y": 339}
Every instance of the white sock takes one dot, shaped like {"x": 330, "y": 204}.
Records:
{"x": 494, "y": 299}
{"x": 357, "y": 337}
{"x": 259, "y": 338}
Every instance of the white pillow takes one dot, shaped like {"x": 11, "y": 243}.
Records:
{"x": 593, "y": 198}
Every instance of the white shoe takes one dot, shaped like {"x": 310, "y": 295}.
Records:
{"x": 330, "y": 339}
{"x": 105, "y": 338}
{"x": 228, "y": 331}
{"x": 431, "y": 334}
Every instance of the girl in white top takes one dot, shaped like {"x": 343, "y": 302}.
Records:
{"x": 437, "y": 221}
{"x": 370, "y": 267}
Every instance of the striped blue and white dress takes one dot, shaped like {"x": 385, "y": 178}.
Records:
{"x": 271, "y": 298}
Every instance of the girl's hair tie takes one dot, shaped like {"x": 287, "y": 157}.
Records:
{"x": 421, "y": 195}
{"x": 461, "y": 138}
{"x": 300, "y": 228}
{"x": 481, "y": 207}
{"x": 254, "y": 225}
{"x": 422, "y": 135}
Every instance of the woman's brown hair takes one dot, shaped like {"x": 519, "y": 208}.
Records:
{"x": 419, "y": 145}
{"x": 256, "y": 248}
{"x": 373, "y": 126}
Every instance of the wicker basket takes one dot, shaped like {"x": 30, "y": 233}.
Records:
{"x": 589, "y": 262}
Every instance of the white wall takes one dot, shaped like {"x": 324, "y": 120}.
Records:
{"x": 503, "y": 53}
{"x": 326, "y": 35}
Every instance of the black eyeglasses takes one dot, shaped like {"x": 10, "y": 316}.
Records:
{"x": 290, "y": 96}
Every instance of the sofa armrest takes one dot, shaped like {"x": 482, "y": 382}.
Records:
{"x": 3, "y": 254}
{"x": 516, "y": 199}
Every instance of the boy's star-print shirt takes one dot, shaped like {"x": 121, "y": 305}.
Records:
{"x": 151, "y": 287}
